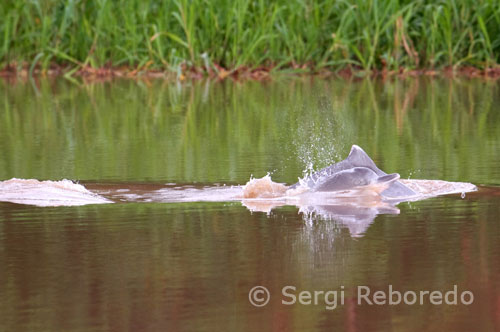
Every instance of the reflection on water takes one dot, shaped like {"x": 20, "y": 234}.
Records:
{"x": 190, "y": 266}
{"x": 222, "y": 132}
{"x": 147, "y": 265}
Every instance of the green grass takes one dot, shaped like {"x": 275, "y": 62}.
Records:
{"x": 285, "y": 34}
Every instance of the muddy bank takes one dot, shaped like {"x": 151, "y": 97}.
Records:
{"x": 23, "y": 71}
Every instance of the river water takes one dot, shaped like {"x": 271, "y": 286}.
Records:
{"x": 175, "y": 250}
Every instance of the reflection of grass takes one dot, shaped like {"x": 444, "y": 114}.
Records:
{"x": 225, "y": 132}
{"x": 152, "y": 34}
{"x": 176, "y": 257}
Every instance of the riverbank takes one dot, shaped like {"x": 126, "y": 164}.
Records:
{"x": 250, "y": 39}
{"x": 238, "y": 74}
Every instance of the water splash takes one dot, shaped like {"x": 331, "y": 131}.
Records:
{"x": 319, "y": 137}
{"x": 48, "y": 193}
{"x": 264, "y": 187}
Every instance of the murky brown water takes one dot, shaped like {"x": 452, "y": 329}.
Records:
{"x": 147, "y": 265}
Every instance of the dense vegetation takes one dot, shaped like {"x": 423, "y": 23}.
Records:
{"x": 283, "y": 34}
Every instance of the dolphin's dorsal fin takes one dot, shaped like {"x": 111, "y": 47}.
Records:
{"x": 358, "y": 158}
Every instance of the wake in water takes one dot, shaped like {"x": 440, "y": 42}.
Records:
{"x": 47, "y": 193}
{"x": 258, "y": 193}
{"x": 355, "y": 208}
{"x": 351, "y": 192}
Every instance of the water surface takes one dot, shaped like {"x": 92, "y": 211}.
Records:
{"x": 190, "y": 265}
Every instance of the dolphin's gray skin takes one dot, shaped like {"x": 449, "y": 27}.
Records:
{"x": 351, "y": 178}
{"x": 357, "y": 170}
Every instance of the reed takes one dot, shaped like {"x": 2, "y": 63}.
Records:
{"x": 282, "y": 34}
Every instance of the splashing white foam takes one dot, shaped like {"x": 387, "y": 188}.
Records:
{"x": 263, "y": 188}
{"x": 431, "y": 188}
{"x": 47, "y": 193}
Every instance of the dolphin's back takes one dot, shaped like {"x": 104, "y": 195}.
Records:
{"x": 353, "y": 177}
{"x": 363, "y": 167}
